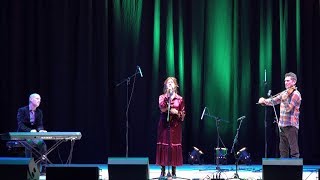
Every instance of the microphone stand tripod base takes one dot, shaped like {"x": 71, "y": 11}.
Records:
{"x": 235, "y": 177}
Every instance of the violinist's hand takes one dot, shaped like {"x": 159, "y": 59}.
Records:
{"x": 284, "y": 96}
{"x": 262, "y": 101}
{"x": 174, "y": 111}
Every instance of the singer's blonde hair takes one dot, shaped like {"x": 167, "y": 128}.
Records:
{"x": 175, "y": 81}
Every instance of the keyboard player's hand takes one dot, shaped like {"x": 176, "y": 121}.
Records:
{"x": 42, "y": 130}
{"x": 33, "y": 130}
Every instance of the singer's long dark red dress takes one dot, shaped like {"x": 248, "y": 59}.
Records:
{"x": 169, "y": 149}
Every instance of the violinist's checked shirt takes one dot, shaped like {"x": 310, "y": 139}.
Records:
{"x": 289, "y": 108}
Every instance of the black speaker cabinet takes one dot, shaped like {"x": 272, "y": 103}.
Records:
{"x": 282, "y": 168}
{"x": 72, "y": 171}
{"x": 128, "y": 168}
{"x": 17, "y": 168}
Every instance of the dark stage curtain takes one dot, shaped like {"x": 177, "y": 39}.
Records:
{"x": 81, "y": 56}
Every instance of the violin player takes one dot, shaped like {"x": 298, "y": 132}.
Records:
{"x": 290, "y": 101}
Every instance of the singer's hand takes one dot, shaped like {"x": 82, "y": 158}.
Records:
{"x": 174, "y": 111}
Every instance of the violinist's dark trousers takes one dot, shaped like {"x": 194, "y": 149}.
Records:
{"x": 289, "y": 142}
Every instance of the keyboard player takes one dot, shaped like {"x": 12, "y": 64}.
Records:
{"x": 29, "y": 119}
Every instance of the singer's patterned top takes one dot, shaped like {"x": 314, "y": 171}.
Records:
{"x": 176, "y": 103}
{"x": 289, "y": 108}
{"x": 169, "y": 149}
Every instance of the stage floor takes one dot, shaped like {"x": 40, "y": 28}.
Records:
{"x": 206, "y": 172}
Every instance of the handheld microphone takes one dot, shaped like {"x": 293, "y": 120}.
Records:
{"x": 204, "y": 110}
{"x": 269, "y": 93}
{"x": 140, "y": 72}
{"x": 241, "y": 118}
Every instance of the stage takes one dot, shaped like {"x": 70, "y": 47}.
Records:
{"x": 206, "y": 172}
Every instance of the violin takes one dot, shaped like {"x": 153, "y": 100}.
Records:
{"x": 291, "y": 89}
{"x": 287, "y": 92}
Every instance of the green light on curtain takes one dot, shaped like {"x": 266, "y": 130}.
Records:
{"x": 170, "y": 42}
{"x": 218, "y": 80}
{"x": 283, "y": 11}
{"x": 265, "y": 52}
{"x": 265, "y": 47}
{"x": 218, "y": 59}
{"x": 156, "y": 38}
{"x": 127, "y": 23}
{"x": 235, "y": 57}
{"x": 132, "y": 16}
{"x": 181, "y": 51}
{"x": 242, "y": 79}
{"x": 156, "y": 51}
{"x": 197, "y": 39}
{"x": 117, "y": 11}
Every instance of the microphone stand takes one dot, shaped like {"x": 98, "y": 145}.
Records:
{"x": 169, "y": 138}
{"x": 218, "y": 140}
{"x": 127, "y": 80}
{"x": 218, "y": 146}
{"x": 232, "y": 150}
{"x": 275, "y": 113}
{"x": 265, "y": 119}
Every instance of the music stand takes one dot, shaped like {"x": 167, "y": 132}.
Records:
{"x": 127, "y": 80}
{"x": 218, "y": 120}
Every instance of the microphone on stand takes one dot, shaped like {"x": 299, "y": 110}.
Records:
{"x": 204, "y": 110}
{"x": 140, "y": 72}
{"x": 269, "y": 93}
{"x": 169, "y": 103}
{"x": 241, "y": 118}
{"x": 169, "y": 93}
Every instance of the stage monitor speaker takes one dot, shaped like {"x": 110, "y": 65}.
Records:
{"x": 128, "y": 168}
{"x": 282, "y": 168}
{"x": 17, "y": 168}
{"x": 72, "y": 171}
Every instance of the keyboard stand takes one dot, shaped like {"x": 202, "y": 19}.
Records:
{"x": 44, "y": 156}
{"x": 59, "y": 137}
